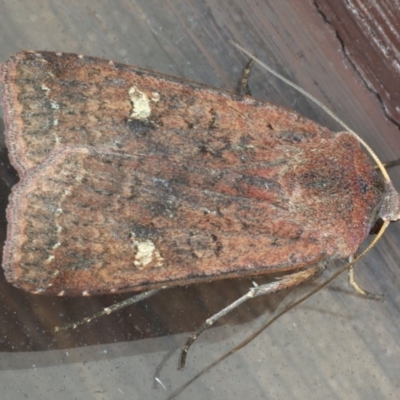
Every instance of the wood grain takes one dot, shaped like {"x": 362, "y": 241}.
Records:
{"x": 337, "y": 345}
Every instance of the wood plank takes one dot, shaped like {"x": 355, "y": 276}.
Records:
{"x": 337, "y": 345}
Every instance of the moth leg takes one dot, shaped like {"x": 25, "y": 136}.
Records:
{"x": 108, "y": 310}
{"x": 283, "y": 283}
{"x": 243, "y": 87}
{"x": 360, "y": 290}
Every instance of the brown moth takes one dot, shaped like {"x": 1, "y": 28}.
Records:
{"x": 133, "y": 180}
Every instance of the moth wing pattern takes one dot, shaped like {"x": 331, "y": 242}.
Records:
{"x": 133, "y": 180}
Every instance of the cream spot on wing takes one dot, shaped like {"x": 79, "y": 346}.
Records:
{"x": 50, "y": 258}
{"x": 45, "y": 88}
{"x": 155, "y": 97}
{"x": 54, "y": 105}
{"x": 146, "y": 254}
{"x": 141, "y": 109}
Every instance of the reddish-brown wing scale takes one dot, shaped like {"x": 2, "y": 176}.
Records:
{"x": 133, "y": 180}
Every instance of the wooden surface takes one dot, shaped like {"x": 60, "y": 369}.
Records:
{"x": 336, "y": 345}
{"x": 368, "y": 32}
